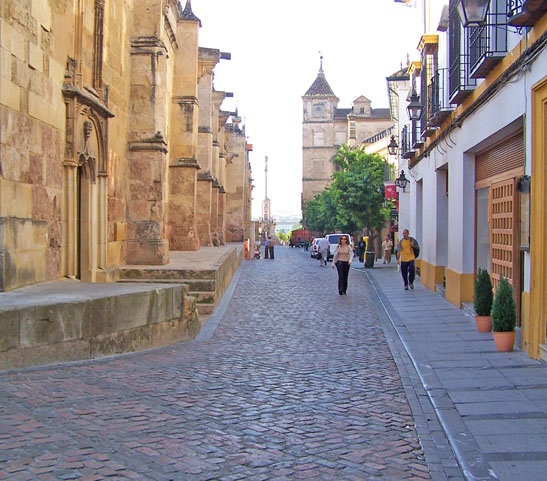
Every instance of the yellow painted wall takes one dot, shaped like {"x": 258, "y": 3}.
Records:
{"x": 459, "y": 287}
{"x": 534, "y": 329}
{"x": 431, "y": 275}
{"x": 525, "y": 320}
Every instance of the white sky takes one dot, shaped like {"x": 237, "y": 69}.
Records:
{"x": 275, "y": 59}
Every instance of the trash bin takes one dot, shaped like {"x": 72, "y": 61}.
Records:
{"x": 369, "y": 259}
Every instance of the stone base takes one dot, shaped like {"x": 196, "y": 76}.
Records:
{"x": 148, "y": 252}
{"x": 70, "y": 320}
{"x": 207, "y": 281}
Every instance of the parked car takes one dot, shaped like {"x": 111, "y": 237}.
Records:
{"x": 333, "y": 241}
{"x": 314, "y": 250}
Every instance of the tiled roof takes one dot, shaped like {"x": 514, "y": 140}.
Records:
{"x": 380, "y": 113}
{"x": 342, "y": 113}
{"x": 320, "y": 86}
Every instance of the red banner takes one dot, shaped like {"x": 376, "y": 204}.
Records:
{"x": 391, "y": 191}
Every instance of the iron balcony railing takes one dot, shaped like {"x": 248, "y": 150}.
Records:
{"x": 379, "y": 136}
{"x": 439, "y": 104}
{"x": 525, "y": 13}
{"x": 405, "y": 145}
{"x": 419, "y": 127}
{"x": 488, "y": 43}
{"x": 460, "y": 85}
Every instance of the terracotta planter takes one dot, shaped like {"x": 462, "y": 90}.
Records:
{"x": 504, "y": 340}
{"x": 484, "y": 323}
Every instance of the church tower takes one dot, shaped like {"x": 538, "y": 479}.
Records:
{"x": 319, "y": 138}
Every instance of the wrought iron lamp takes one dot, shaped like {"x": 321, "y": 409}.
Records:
{"x": 473, "y": 12}
{"x": 414, "y": 108}
{"x": 401, "y": 181}
{"x": 392, "y": 146}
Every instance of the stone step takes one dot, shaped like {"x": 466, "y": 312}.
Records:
{"x": 205, "y": 309}
{"x": 194, "y": 285}
{"x": 162, "y": 275}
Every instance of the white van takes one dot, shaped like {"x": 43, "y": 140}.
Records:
{"x": 333, "y": 241}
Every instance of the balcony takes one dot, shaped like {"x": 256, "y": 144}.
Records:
{"x": 487, "y": 44}
{"x": 525, "y": 13}
{"x": 460, "y": 85}
{"x": 405, "y": 147}
{"x": 439, "y": 104}
{"x": 416, "y": 131}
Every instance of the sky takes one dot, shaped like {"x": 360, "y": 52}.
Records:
{"x": 274, "y": 47}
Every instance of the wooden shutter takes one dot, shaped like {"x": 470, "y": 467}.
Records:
{"x": 507, "y": 155}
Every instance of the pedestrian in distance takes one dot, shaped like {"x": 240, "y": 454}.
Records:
{"x": 266, "y": 247}
{"x": 361, "y": 248}
{"x": 323, "y": 246}
{"x": 387, "y": 245}
{"x": 271, "y": 247}
{"x": 306, "y": 244}
{"x": 342, "y": 260}
{"x": 406, "y": 254}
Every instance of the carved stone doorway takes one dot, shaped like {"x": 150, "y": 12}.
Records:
{"x": 85, "y": 197}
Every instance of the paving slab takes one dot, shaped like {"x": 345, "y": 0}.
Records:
{"x": 492, "y": 406}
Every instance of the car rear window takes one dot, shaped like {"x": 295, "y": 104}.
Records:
{"x": 334, "y": 238}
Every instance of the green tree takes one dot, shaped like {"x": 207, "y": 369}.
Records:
{"x": 321, "y": 212}
{"x": 358, "y": 188}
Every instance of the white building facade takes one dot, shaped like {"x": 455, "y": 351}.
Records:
{"x": 470, "y": 155}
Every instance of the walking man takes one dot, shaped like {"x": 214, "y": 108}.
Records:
{"x": 406, "y": 257}
{"x": 323, "y": 246}
{"x": 266, "y": 247}
{"x": 271, "y": 247}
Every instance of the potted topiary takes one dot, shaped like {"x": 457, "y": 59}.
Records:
{"x": 483, "y": 301}
{"x": 504, "y": 317}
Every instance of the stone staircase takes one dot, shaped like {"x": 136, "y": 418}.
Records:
{"x": 202, "y": 285}
{"x": 207, "y": 273}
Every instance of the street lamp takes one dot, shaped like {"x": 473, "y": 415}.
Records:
{"x": 473, "y": 12}
{"x": 401, "y": 181}
{"x": 392, "y": 146}
{"x": 414, "y": 108}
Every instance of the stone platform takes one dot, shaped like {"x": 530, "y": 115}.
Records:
{"x": 68, "y": 320}
{"x": 151, "y": 306}
{"x": 206, "y": 272}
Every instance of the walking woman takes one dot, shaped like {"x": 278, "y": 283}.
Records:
{"x": 342, "y": 260}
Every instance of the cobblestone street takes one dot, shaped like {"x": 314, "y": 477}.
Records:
{"x": 296, "y": 382}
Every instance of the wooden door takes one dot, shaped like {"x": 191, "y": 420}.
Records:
{"x": 504, "y": 235}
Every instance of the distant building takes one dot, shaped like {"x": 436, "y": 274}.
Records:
{"x": 326, "y": 127}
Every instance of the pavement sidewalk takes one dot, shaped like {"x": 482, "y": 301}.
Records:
{"x": 492, "y": 406}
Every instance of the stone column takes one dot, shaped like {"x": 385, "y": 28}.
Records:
{"x": 147, "y": 157}
{"x": 203, "y": 208}
{"x": 221, "y": 214}
{"x": 208, "y": 58}
{"x": 214, "y": 213}
{"x": 183, "y": 142}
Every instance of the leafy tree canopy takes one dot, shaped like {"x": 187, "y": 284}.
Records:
{"x": 355, "y": 200}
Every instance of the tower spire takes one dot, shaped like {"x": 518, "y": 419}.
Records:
{"x": 321, "y": 63}
{"x": 266, "y": 178}
{"x": 187, "y": 13}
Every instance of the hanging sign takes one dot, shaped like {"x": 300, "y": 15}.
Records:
{"x": 391, "y": 191}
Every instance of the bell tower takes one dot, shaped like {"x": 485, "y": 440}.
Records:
{"x": 318, "y": 136}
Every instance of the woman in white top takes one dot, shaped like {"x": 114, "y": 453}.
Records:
{"x": 342, "y": 260}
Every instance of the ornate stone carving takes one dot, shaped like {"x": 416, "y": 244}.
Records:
{"x": 85, "y": 160}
